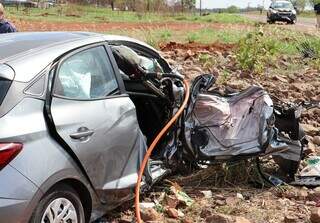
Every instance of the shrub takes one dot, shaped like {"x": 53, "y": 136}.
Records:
{"x": 192, "y": 37}
{"x": 165, "y": 35}
{"x": 309, "y": 48}
{"x": 150, "y": 38}
{"x": 73, "y": 10}
{"x": 256, "y": 51}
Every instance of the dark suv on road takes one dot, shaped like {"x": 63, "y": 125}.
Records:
{"x": 282, "y": 11}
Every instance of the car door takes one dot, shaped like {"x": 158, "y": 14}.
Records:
{"x": 96, "y": 120}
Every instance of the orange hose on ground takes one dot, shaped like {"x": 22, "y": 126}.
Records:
{"x": 153, "y": 145}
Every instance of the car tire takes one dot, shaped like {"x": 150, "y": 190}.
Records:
{"x": 59, "y": 199}
{"x": 293, "y": 21}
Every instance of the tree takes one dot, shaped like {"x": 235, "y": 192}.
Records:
{"x": 112, "y": 4}
{"x": 300, "y": 4}
{"x": 190, "y": 4}
{"x": 184, "y": 5}
{"x": 233, "y": 9}
{"x": 313, "y": 2}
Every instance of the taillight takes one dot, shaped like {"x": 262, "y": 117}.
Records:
{"x": 8, "y": 151}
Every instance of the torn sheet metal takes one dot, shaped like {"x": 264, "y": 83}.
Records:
{"x": 236, "y": 125}
{"x": 223, "y": 126}
{"x": 293, "y": 152}
{"x": 310, "y": 175}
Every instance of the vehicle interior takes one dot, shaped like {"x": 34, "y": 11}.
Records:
{"x": 150, "y": 94}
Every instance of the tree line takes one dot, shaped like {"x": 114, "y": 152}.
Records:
{"x": 302, "y": 4}
{"x": 142, "y": 5}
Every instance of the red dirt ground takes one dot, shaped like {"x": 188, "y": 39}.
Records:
{"x": 104, "y": 27}
{"x": 221, "y": 47}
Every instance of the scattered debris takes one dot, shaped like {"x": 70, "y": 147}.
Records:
{"x": 221, "y": 218}
{"x": 310, "y": 174}
{"x": 316, "y": 140}
{"x": 171, "y": 201}
{"x": 291, "y": 218}
{"x": 310, "y": 129}
{"x": 241, "y": 220}
{"x": 146, "y": 205}
{"x": 150, "y": 214}
{"x": 207, "y": 194}
{"x": 183, "y": 198}
{"x": 240, "y": 196}
{"x": 172, "y": 213}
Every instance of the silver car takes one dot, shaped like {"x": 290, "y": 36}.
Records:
{"x": 70, "y": 139}
{"x": 78, "y": 110}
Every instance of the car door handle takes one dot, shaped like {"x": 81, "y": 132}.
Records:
{"x": 82, "y": 133}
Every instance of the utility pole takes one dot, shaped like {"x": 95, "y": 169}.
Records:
{"x": 200, "y": 7}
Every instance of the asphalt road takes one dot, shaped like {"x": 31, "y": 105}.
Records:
{"x": 303, "y": 24}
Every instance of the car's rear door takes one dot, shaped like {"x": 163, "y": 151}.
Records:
{"x": 96, "y": 120}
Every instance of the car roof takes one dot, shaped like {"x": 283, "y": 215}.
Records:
{"x": 30, "y": 53}
{"x": 14, "y": 44}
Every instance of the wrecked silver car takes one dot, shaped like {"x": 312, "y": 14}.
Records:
{"x": 78, "y": 112}
{"x": 215, "y": 127}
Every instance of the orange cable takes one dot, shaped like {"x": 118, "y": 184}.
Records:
{"x": 153, "y": 145}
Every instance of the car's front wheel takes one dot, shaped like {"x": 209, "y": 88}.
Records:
{"x": 270, "y": 21}
{"x": 61, "y": 204}
{"x": 294, "y": 21}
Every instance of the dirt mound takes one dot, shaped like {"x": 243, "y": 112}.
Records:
{"x": 222, "y": 47}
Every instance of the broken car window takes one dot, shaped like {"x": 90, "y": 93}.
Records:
{"x": 133, "y": 64}
{"x": 86, "y": 75}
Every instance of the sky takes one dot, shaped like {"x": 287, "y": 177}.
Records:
{"x": 226, "y": 3}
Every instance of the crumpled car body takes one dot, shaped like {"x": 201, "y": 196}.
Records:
{"x": 79, "y": 110}
{"x": 242, "y": 124}
{"x": 237, "y": 125}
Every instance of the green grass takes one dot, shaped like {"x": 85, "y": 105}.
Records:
{"x": 264, "y": 47}
{"x": 205, "y": 35}
{"x": 209, "y": 35}
{"x": 307, "y": 14}
{"x": 78, "y": 13}
{"x": 216, "y": 18}
{"x": 283, "y": 41}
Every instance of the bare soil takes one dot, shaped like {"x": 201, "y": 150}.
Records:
{"x": 24, "y": 25}
{"x": 196, "y": 47}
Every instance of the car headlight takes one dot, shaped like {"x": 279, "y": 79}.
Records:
{"x": 294, "y": 12}
{"x": 272, "y": 11}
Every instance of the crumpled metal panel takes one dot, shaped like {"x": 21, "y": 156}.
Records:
{"x": 234, "y": 125}
{"x": 224, "y": 126}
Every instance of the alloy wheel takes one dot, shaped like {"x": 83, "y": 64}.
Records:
{"x": 60, "y": 210}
